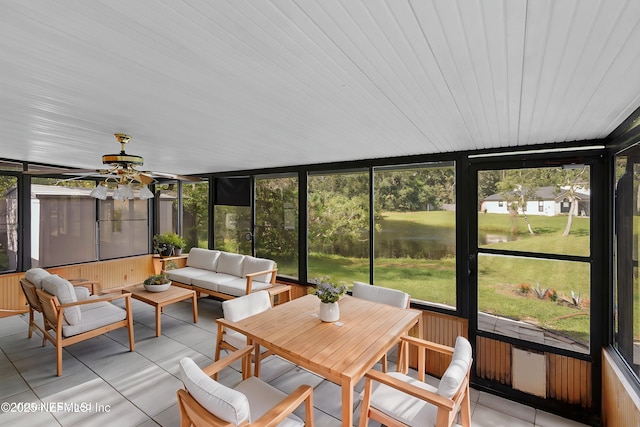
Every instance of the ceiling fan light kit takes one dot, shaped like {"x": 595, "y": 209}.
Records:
{"x": 127, "y": 177}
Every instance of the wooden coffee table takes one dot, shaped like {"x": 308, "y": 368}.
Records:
{"x": 161, "y": 299}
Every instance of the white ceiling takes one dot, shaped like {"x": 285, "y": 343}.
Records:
{"x": 212, "y": 85}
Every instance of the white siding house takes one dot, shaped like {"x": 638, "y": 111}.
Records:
{"x": 547, "y": 201}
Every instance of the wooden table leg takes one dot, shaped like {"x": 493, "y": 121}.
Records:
{"x": 347, "y": 403}
{"x": 195, "y": 307}
{"x": 158, "y": 313}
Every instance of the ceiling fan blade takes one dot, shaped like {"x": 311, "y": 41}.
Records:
{"x": 180, "y": 177}
{"x": 53, "y": 171}
{"x": 144, "y": 178}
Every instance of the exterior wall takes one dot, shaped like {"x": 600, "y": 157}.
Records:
{"x": 550, "y": 208}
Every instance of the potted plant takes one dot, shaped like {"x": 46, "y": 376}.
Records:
{"x": 329, "y": 293}
{"x": 157, "y": 282}
{"x": 165, "y": 244}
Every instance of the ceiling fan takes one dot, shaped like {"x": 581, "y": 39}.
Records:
{"x": 121, "y": 174}
{"x": 120, "y": 166}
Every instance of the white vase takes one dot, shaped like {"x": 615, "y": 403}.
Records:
{"x": 329, "y": 311}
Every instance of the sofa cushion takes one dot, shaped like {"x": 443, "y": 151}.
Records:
{"x": 255, "y": 265}
{"x": 226, "y": 403}
{"x": 203, "y": 258}
{"x": 63, "y": 289}
{"x": 230, "y": 263}
{"x": 212, "y": 281}
{"x": 186, "y": 274}
{"x": 36, "y": 275}
{"x": 95, "y": 316}
{"x": 238, "y": 287}
{"x": 81, "y": 292}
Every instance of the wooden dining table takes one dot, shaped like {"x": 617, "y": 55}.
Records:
{"x": 341, "y": 352}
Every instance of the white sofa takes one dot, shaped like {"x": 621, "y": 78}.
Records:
{"x": 224, "y": 275}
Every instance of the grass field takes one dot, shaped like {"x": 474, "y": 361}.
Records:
{"x": 499, "y": 278}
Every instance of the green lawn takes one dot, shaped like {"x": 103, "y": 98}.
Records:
{"x": 499, "y": 278}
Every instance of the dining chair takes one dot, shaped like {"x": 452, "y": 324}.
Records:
{"x": 206, "y": 402}
{"x": 381, "y": 295}
{"x": 235, "y": 310}
{"x": 397, "y": 399}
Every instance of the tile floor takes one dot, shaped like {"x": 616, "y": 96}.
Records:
{"x": 104, "y": 383}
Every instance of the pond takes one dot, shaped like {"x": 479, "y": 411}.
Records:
{"x": 404, "y": 239}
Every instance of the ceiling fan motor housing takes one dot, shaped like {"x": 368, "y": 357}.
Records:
{"x": 122, "y": 159}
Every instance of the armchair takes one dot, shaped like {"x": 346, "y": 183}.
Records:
{"x": 396, "y": 399}
{"x": 205, "y": 402}
{"x": 33, "y": 279}
{"x": 71, "y": 321}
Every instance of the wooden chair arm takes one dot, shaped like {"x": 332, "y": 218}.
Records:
{"x": 250, "y": 277}
{"x": 286, "y": 406}
{"x": 444, "y": 349}
{"x": 217, "y": 366}
{"x": 420, "y": 393}
{"x": 91, "y": 284}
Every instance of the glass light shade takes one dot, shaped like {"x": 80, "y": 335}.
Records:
{"x": 145, "y": 193}
{"x": 126, "y": 191}
{"x": 99, "y": 192}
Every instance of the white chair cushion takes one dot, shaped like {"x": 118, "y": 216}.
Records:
{"x": 203, "y": 258}
{"x": 401, "y": 406}
{"x": 212, "y": 280}
{"x": 379, "y": 294}
{"x": 63, "y": 289}
{"x": 230, "y": 263}
{"x": 254, "y": 265}
{"x": 457, "y": 370}
{"x": 225, "y": 403}
{"x": 81, "y": 292}
{"x": 263, "y": 397}
{"x": 95, "y": 316}
{"x": 452, "y": 378}
{"x": 35, "y": 276}
{"x": 245, "y": 306}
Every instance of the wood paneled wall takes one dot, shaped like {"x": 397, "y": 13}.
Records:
{"x": 569, "y": 380}
{"x": 442, "y": 329}
{"x": 493, "y": 360}
{"x": 620, "y": 403}
{"x": 111, "y": 274}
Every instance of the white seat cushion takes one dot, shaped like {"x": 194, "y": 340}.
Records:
{"x": 95, "y": 316}
{"x": 254, "y": 265}
{"x": 186, "y": 274}
{"x": 263, "y": 397}
{"x": 224, "y": 402}
{"x": 401, "y": 406}
{"x": 63, "y": 289}
{"x": 36, "y": 275}
{"x": 212, "y": 280}
{"x": 379, "y": 294}
{"x": 81, "y": 292}
{"x": 230, "y": 263}
{"x": 238, "y": 287}
{"x": 203, "y": 258}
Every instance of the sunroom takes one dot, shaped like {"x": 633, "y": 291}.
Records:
{"x": 479, "y": 156}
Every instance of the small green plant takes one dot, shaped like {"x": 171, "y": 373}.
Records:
{"x": 539, "y": 292}
{"x": 524, "y": 288}
{"x": 575, "y": 297}
{"x": 170, "y": 239}
{"x": 157, "y": 279}
{"x": 552, "y": 295}
{"x": 171, "y": 265}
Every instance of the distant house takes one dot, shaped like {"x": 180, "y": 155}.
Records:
{"x": 547, "y": 201}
